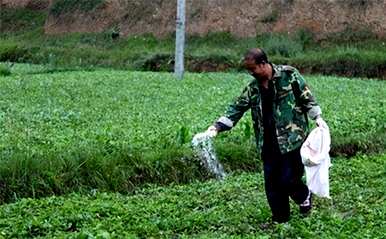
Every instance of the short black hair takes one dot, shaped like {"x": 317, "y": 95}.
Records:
{"x": 256, "y": 54}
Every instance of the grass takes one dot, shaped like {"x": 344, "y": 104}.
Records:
{"x": 116, "y": 130}
{"x": 361, "y": 63}
{"x": 216, "y": 52}
{"x": 235, "y": 208}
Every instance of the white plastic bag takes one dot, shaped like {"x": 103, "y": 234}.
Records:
{"x": 316, "y": 160}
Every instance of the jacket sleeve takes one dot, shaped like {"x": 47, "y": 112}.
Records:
{"x": 234, "y": 112}
{"x": 306, "y": 99}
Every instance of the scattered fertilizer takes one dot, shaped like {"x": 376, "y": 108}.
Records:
{"x": 203, "y": 147}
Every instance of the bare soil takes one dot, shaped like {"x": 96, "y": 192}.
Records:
{"x": 243, "y": 18}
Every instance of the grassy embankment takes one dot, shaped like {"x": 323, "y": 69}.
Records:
{"x": 350, "y": 53}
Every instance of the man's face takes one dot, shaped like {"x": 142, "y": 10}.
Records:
{"x": 253, "y": 68}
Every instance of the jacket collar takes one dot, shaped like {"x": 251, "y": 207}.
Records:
{"x": 276, "y": 71}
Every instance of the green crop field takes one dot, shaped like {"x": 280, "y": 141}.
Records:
{"x": 111, "y": 140}
{"x": 114, "y": 130}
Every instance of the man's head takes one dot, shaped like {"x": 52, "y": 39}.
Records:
{"x": 256, "y": 62}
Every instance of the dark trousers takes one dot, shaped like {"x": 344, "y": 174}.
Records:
{"x": 282, "y": 175}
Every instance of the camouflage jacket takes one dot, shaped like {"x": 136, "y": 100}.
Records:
{"x": 292, "y": 103}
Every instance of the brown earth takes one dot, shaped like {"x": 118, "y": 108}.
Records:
{"x": 242, "y": 18}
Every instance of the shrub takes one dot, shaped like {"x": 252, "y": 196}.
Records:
{"x": 155, "y": 62}
{"x": 282, "y": 45}
{"x": 16, "y": 20}
{"x": 305, "y": 37}
{"x": 5, "y": 70}
{"x": 350, "y": 35}
{"x": 14, "y": 53}
{"x": 271, "y": 18}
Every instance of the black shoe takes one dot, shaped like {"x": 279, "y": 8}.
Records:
{"x": 306, "y": 206}
{"x": 281, "y": 219}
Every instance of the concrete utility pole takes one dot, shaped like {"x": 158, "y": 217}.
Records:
{"x": 180, "y": 40}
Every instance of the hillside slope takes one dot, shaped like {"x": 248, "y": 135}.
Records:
{"x": 241, "y": 18}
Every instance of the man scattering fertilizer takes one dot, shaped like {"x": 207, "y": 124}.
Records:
{"x": 281, "y": 104}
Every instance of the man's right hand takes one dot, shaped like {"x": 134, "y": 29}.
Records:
{"x": 212, "y": 131}
{"x": 321, "y": 123}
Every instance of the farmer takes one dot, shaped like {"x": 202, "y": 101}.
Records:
{"x": 281, "y": 104}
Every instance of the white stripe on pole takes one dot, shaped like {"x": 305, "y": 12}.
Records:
{"x": 180, "y": 40}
